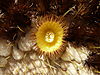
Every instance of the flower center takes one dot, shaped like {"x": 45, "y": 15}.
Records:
{"x": 49, "y": 37}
